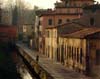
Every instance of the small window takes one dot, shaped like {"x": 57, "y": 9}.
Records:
{"x": 68, "y": 20}
{"x": 59, "y": 21}
{"x": 50, "y": 22}
{"x": 92, "y": 21}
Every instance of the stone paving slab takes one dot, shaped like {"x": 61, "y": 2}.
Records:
{"x": 56, "y": 70}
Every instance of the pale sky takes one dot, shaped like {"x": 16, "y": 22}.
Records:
{"x": 41, "y": 3}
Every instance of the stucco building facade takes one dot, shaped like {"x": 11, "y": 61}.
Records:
{"x": 64, "y": 12}
{"x": 77, "y": 44}
{"x": 79, "y": 48}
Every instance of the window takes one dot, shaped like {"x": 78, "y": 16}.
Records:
{"x": 50, "y": 22}
{"x": 92, "y": 21}
{"x": 59, "y": 21}
{"x": 68, "y": 20}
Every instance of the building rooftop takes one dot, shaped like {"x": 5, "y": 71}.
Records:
{"x": 69, "y": 28}
{"x": 53, "y": 12}
{"x": 83, "y": 33}
{"x": 76, "y": 30}
{"x": 96, "y": 6}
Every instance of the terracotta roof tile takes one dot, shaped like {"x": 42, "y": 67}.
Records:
{"x": 69, "y": 28}
{"x": 83, "y": 33}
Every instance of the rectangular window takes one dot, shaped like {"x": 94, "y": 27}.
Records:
{"x": 50, "y": 22}
{"x": 91, "y": 21}
{"x": 59, "y": 21}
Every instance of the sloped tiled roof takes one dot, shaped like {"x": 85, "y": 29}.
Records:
{"x": 95, "y": 6}
{"x": 69, "y": 28}
{"x": 76, "y": 30}
{"x": 83, "y": 33}
{"x": 4, "y": 25}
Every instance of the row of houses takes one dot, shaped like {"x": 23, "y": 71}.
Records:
{"x": 70, "y": 34}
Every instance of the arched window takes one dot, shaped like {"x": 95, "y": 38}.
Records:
{"x": 50, "y": 22}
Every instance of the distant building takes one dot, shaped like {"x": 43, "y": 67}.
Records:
{"x": 6, "y": 16}
{"x": 27, "y": 30}
{"x": 51, "y": 43}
